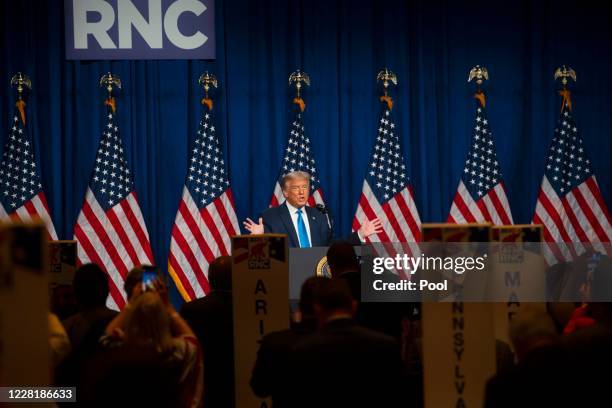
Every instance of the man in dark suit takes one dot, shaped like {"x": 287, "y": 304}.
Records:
{"x": 272, "y": 375}
{"x": 541, "y": 377}
{"x": 344, "y": 364}
{"x": 305, "y": 226}
{"x": 212, "y": 322}
{"x": 385, "y": 317}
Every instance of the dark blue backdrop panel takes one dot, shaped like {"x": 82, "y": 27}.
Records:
{"x": 431, "y": 45}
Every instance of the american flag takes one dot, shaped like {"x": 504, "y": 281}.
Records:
{"x": 110, "y": 230}
{"x": 570, "y": 204}
{"x": 386, "y": 192}
{"x": 206, "y": 218}
{"x": 481, "y": 196}
{"x": 21, "y": 194}
{"x": 298, "y": 157}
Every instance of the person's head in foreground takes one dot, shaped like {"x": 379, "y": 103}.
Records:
{"x": 334, "y": 301}
{"x": 341, "y": 258}
{"x": 90, "y": 286}
{"x": 133, "y": 279}
{"x": 220, "y": 274}
{"x": 308, "y": 293}
{"x": 531, "y": 328}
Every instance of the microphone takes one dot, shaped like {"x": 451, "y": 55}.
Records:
{"x": 330, "y": 221}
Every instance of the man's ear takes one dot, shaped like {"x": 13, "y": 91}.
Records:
{"x": 285, "y": 193}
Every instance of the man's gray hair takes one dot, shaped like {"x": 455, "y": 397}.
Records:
{"x": 294, "y": 175}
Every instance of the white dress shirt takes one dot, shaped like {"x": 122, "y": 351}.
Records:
{"x": 294, "y": 217}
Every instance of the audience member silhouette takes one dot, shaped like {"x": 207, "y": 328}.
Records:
{"x": 540, "y": 375}
{"x": 272, "y": 375}
{"x": 85, "y": 327}
{"x": 385, "y": 317}
{"x": 343, "y": 363}
{"x": 91, "y": 290}
{"x": 212, "y": 321}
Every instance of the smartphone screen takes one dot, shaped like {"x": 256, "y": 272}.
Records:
{"x": 149, "y": 274}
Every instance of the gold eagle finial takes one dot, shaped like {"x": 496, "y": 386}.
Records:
{"x": 479, "y": 73}
{"x": 21, "y": 81}
{"x": 109, "y": 81}
{"x": 298, "y": 77}
{"x": 564, "y": 73}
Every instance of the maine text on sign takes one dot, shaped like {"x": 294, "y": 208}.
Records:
{"x": 139, "y": 29}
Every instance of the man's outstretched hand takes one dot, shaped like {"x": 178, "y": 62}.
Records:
{"x": 370, "y": 227}
{"x": 252, "y": 227}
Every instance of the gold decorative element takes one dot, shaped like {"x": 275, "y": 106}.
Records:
{"x": 298, "y": 77}
{"x": 207, "y": 81}
{"x": 566, "y": 100}
{"x": 323, "y": 268}
{"x": 21, "y": 81}
{"x": 388, "y": 100}
{"x": 387, "y": 78}
{"x": 480, "y": 74}
{"x": 110, "y": 81}
{"x": 564, "y": 73}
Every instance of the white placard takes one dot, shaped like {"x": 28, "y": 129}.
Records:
{"x": 260, "y": 287}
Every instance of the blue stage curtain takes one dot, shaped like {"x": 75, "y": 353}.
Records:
{"x": 431, "y": 45}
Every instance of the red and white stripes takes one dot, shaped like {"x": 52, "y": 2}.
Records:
{"x": 493, "y": 207}
{"x": 33, "y": 210}
{"x": 580, "y": 217}
{"x": 116, "y": 239}
{"x": 198, "y": 237}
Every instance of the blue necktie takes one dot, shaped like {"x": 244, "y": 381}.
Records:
{"x": 302, "y": 233}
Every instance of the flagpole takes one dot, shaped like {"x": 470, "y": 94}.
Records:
{"x": 479, "y": 74}
{"x": 207, "y": 81}
{"x": 387, "y": 78}
{"x": 21, "y": 81}
{"x": 110, "y": 81}
{"x": 298, "y": 77}
{"x": 565, "y": 73}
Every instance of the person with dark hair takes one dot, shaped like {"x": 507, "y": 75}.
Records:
{"x": 85, "y": 328}
{"x": 272, "y": 372}
{"x": 384, "y": 317}
{"x": 346, "y": 364}
{"x": 344, "y": 264}
{"x": 341, "y": 258}
{"x": 212, "y": 321}
{"x": 133, "y": 278}
{"x": 91, "y": 290}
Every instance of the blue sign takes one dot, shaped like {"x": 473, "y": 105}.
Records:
{"x": 139, "y": 29}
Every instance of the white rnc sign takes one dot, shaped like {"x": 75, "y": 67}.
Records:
{"x": 139, "y": 29}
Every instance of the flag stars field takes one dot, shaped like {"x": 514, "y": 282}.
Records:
{"x": 22, "y": 195}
